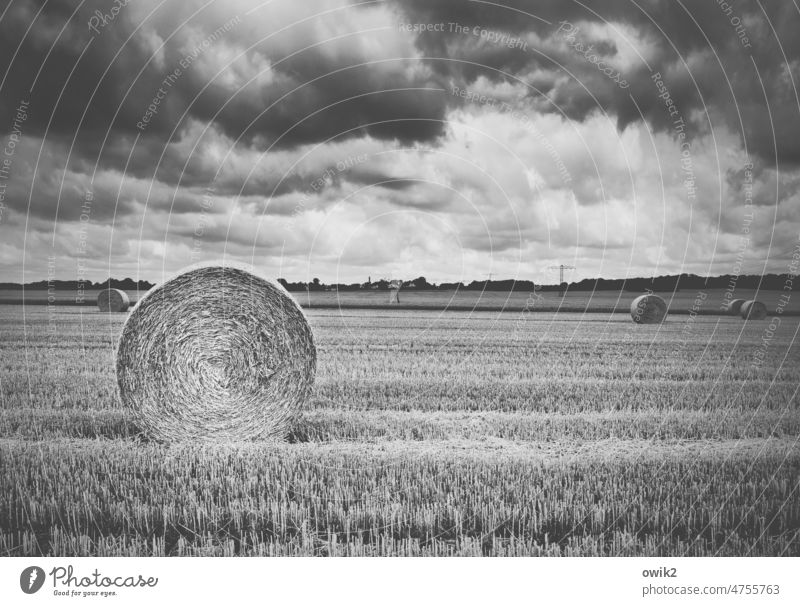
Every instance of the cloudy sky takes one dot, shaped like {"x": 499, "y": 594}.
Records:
{"x": 450, "y": 139}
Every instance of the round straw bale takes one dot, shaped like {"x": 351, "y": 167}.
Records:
{"x": 648, "y": 309}
{"x": 735, "y": 306}
{"x": 216, "y": 353}
{"x": 113, "y": 299}
{"x": 753, "y": 310}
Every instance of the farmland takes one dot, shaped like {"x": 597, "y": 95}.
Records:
{"x": 604, "y": 301}
{"x": 430, "y": 433}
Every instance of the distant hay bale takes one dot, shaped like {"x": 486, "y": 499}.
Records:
{"x": 735, "y": 307}
{"x": 648, "y": 309}
{"x": 113, "y": 299}
{"x": 753, "y": 310}
{"x": 216, "y": 353}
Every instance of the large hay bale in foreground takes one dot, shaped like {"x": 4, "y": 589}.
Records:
{"x": 735, "y": 307}
{"x": 113, "y": 299}
{"x": 216, "y": 353}
{"x": 753, "y": 310}
{"x": 648, "y": 309}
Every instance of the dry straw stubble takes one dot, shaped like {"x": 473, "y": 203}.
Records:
{"x": 113, "y": 299}
{"x": 216, "y": 353}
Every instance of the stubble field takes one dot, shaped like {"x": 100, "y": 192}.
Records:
{"x": 430, "y": 433}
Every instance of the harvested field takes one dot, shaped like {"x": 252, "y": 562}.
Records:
{"x": 429, "y": 433}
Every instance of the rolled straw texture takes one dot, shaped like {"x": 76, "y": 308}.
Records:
{"x": 112, "y": 299}
{"x": 735, "y": 307}
{"x": 753, "y": 310}
{"x": 648, "y": 309}
{"x": 216, "y": 353}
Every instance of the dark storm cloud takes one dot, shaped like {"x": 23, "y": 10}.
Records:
{"x": 71, "y": 77}
{"x": 60, "y": 198}
{"x": 89, "y": 91}
{"x": 349, "y": 102}
{"x": 85, "y": 84}
{"x": 696, "y": 48}
{"x": 275, "y": 102}
{"x": 104, "y": 82}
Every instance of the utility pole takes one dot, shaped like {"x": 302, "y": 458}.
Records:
{"x": 561, "y": 269}
{"x": 562, "y": 286}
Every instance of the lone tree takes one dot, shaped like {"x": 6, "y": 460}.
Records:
{"x": 420, "y": 283}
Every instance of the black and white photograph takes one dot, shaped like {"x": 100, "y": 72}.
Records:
{"x": 300, "y": 279}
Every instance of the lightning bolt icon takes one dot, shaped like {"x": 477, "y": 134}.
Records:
{"x": 32, "y": 580}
